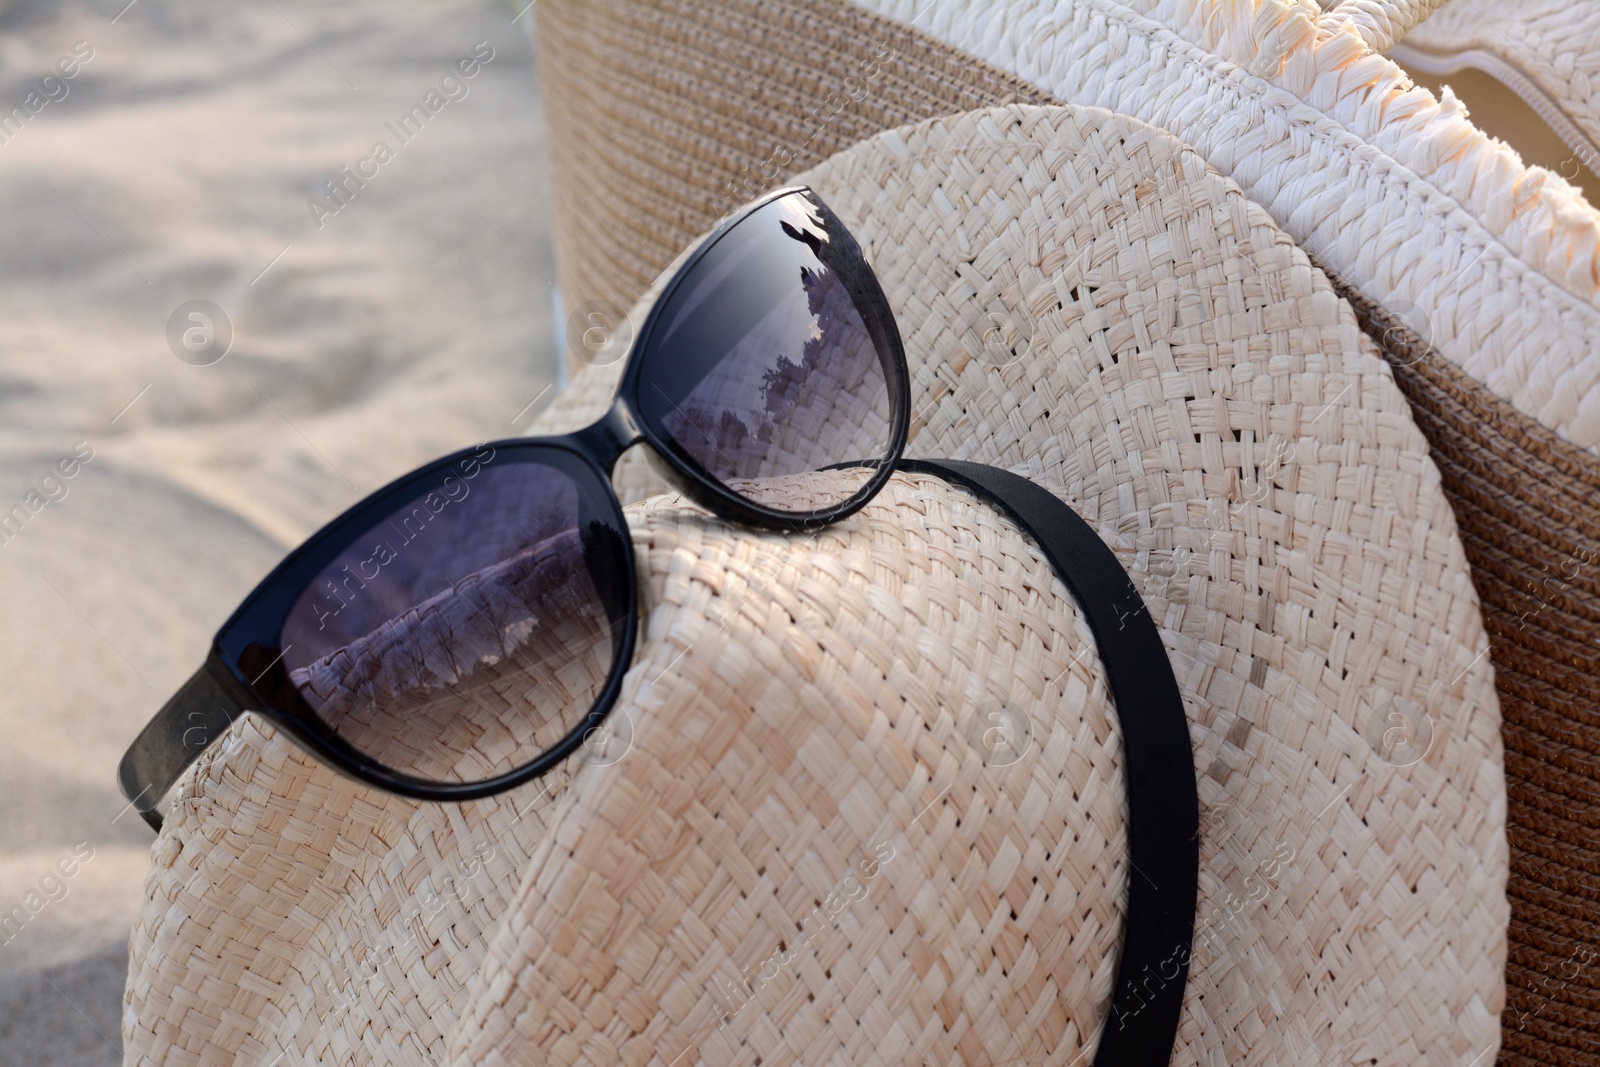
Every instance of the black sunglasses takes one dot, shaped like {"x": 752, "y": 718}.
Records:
{"x": 465, "y": 628}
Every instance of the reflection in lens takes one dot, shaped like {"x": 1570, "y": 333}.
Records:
{"x": 761, "y": 367}
{"x": 470, "y": 629}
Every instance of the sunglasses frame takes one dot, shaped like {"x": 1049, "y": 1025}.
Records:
{"x": 224, "y": 687}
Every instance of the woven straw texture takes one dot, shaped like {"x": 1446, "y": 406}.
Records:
{"x": 1553, "y": 43}
{"x": 1528, "y": 505}
{"x": 1379, "y": 23}
{"x": 1333, "y": 64}
{"x": 801, "y": 854}
{"x": 1428, "y": 278}
{"x": 1527, "y": 496}
{"x": 800, "y": 704}
{"x": 697, "y": 102}
{"x": 690, "y": 130}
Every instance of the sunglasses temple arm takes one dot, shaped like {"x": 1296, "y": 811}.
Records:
{"x": 185, "y": 726}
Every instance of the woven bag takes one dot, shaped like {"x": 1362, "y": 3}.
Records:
{"x": 1475, "y": 275}
{"x": 1542, "y": 52}
{"x": 800, "y": 728}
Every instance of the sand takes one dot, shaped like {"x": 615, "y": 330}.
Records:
{"x": 178, "y": 163}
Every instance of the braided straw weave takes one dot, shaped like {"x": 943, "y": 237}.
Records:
{"x": 1528, "y": 506}
{"x": 652, "y": 134}
{"x": 1503, "y": 368}
{"x": 1489, "y": 351}
{"x": 1554, "y": 44}
{"x": 1379, "y": 23}
{"x": 658, "y": 110}
{"x": 800, "y": 846}
{"x": 1397, "y": 193}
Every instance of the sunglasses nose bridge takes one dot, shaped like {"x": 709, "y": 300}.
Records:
{"x": 616, "y": 432}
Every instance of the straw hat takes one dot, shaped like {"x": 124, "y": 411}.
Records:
{"x": 1475, "y": 275}
{"x": 796, "y": 845}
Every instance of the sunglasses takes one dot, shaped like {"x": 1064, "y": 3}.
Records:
{"x": 465, "y": 628}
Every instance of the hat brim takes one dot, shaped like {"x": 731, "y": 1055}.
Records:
{"x": 1192, "y": 385}
{"x": 1479, "y": 277}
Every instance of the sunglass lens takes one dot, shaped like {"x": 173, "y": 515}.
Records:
{"x": 773, "y": 357}
{"x": 473, "y": 627}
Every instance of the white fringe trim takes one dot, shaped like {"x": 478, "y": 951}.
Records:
{"x": 1535, "y": 212}
{"x": 1479, "y": 268}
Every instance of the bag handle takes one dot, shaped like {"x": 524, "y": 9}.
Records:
{"x": 1379, "y": 22}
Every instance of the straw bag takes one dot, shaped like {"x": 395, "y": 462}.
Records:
{"x": 803, "y": 727}
{"x": 1476, "y": 276}
{"x": 1541, "y": 51}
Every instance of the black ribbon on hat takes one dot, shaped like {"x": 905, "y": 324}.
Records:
{"x": 1163, "y": 804}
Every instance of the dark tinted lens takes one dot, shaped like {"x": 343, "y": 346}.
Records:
{"x": 470, "y": 629}
{"x": 764, "y": 363}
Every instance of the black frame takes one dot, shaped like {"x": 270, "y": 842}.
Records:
{"x": 234, "y": 679}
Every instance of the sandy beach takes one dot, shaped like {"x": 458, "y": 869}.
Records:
{"x": 350, "y": 197}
